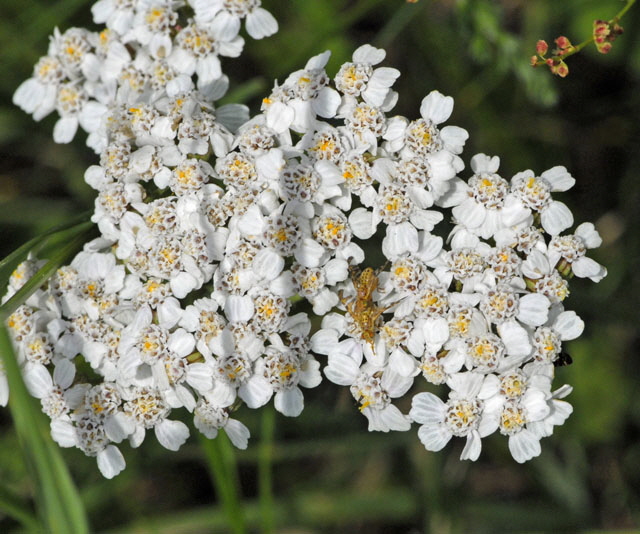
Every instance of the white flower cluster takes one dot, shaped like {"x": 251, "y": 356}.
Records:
{"x": 217, "y": 230}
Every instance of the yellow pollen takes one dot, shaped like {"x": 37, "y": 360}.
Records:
{"x": 431, "y": 300}
{"x": 402, "y": 272}
{"x": 152, "y": 286}
{"x": 281, "y": 235}
{"x": 531, "y": 182}
{"x": 486, "y": 182}
{"x": 392, "y": 205}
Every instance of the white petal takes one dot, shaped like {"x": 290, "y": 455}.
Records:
{"x": 110, "y": 461}
{"x": 38, "y": 380}
{"x": 587, "y": 268}
{"x": 64, "y": 433}
{"x": 473, "y": 447}
{"x": 394, "y": 419}
{"x": 368, "y": 54}
{"x": 267, "y": 264}
{"x": 237, "y": 433}
{"x": 402, "y": 363}
{"x": 559, "y": 178}
{"x": 515, "y": 338}
{"x": 470, "y": 213}
{"x": 289, "y": 402}
{"x": 208, "y": 69}
{"x": 524, "y": 446}
{"x": 400, "y": 238}
{"x": 588, "y": 233}
{"x": 434, "y": 437}
{"x": 428, "y": 409}
{"x": 260, "y": 23}
{"x": 118, "y": 427}
{"x": 454, "y": 138}
{"x": 436, "y": 107}
{"x": 238, "y": 308}
{"x": 255, "y": 392}
{"x": 171, "y": 434}
{"x": 568, "y": 325}
{"x": 556, "y": 217}
{"x": 65, "y": 129}
{"x": 361, "y": 223}
{"x": 279, "y": 117}
{"x": 64, "y": 373}
{"x": 309, "y": 253}
{"x": 327, "y": 102}
{"x": 533, "y": 309}
{"x": 342, "y": 370}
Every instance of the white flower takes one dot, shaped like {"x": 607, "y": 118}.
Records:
{"x": 460, "y": 416}
{"x": 481, "y": 212}
{"x": 530, "y": 193}
{"x": 360, "y": 79}
{"x": 209, "y": 419}
{"x": 571, "y": 249}
{"x": 259, "y": 24}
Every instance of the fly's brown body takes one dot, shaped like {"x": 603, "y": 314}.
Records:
{"x": 365, "y": 313}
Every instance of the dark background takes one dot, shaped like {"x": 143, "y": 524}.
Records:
{"x": 330, "y": 475}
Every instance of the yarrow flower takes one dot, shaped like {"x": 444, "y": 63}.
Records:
{"x": 221, "y": 234}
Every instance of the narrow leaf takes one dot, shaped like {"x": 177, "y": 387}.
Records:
{"x": 60, "y": 508}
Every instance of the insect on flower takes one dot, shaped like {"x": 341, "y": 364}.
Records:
{"x": 365, "y": 313}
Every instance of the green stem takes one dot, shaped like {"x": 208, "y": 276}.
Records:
{"x": 58, "y": 504}
{"x": 623, "y": 11}
{"x": 10, "y": 262}
{"x": 62, "y": 255}
{"x": 14, "y": 506}
{"x": 222, "y": 465}
{"x": 265, "y": 461}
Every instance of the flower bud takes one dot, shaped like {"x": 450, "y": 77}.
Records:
{"x": 563, "y": 43}
{"x": 542, "y": 47}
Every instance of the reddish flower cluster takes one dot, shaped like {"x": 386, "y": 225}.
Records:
{"x": 555, "y": 63}
{"x": 604, "y": 33}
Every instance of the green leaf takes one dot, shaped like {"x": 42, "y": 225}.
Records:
{"x": 63, "y": 253}
{"x": 220, "y": 457}
{"x": 59, "y": 506}
{"x": 9, "y": 263}
{"x": 17, "y": 508}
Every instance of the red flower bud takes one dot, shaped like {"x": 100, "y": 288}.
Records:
{"x": 563, "y": 43}
{"x": 542, "y": 47}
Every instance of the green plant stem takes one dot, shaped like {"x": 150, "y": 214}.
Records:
{"x": 623, "y": 11}
{"x": 265, "y": 462}
{"x": 59, "y": 506}
{"x": 63, "y": 254}
{"x": 10, "y": 262}
{"x": 14, "y": 506}
{"x": 220, "y": 457}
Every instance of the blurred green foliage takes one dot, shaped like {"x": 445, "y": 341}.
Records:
{"x": 329, "y": 474}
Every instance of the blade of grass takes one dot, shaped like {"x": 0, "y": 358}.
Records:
{"x": 17, "y": 508}
{"x": 222, "y": 465}
{"x": 265, "y": 462}
{"x": 61, "y": 255}
{"x": 59, "y": 506}
{"x": 10, "y": 262}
